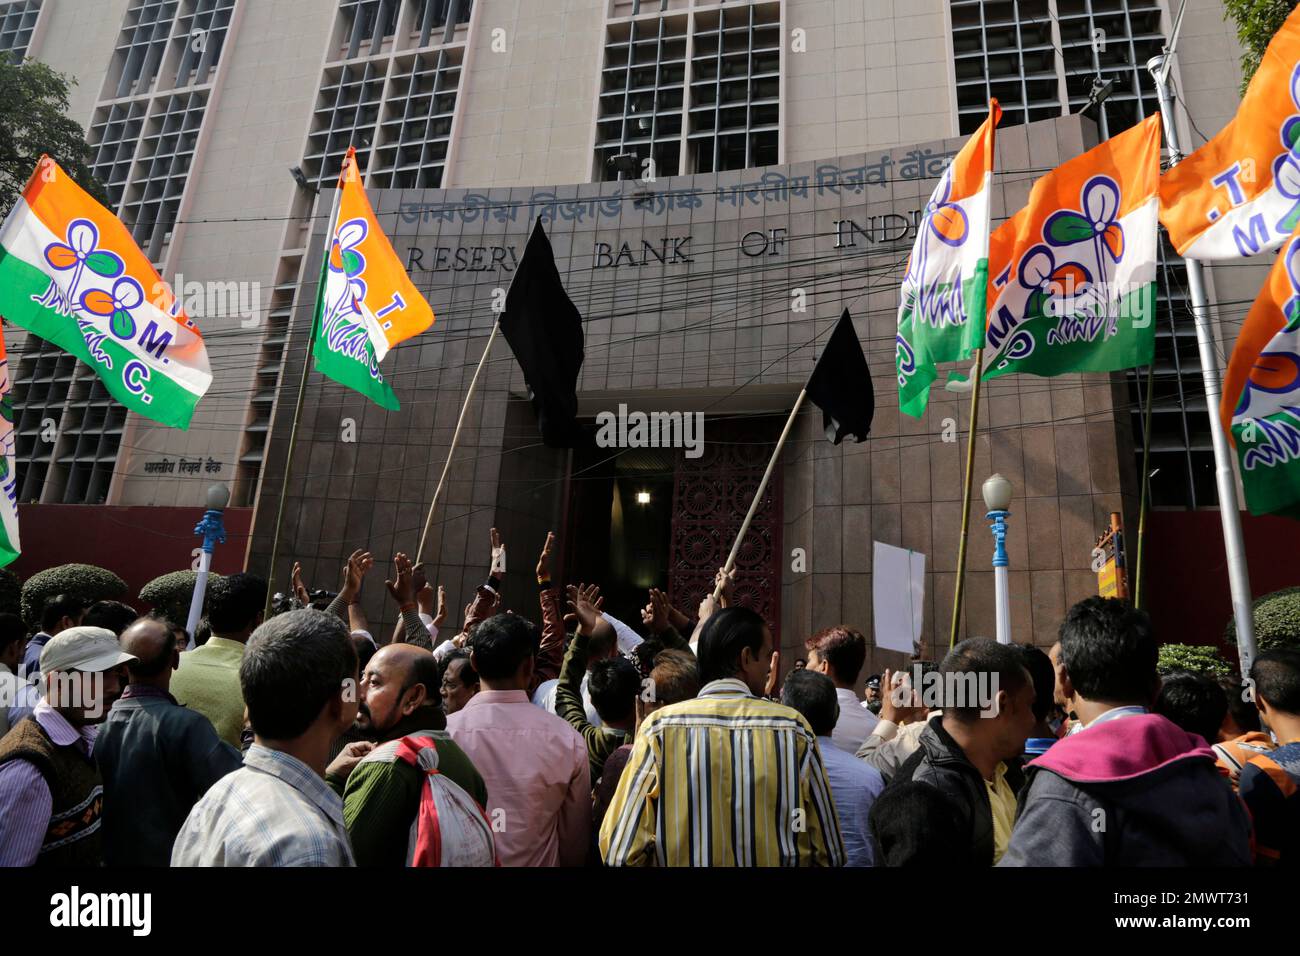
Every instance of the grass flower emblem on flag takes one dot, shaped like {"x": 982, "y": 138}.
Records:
{"x": 1239, "y": 194}
{"x": 1074, "y": 271}
{"x": 1260, "y": 408}
{"x": 944, "y": 291}
{"x": 71, "y": 273}
{"x": 367, "y": 303}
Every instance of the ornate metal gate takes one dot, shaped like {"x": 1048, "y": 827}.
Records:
{"x": 711, "y": 495}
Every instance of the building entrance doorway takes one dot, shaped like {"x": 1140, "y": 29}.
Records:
{"x": 651, "y": 517}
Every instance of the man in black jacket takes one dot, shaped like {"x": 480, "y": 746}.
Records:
{"x": 952, "y": 803}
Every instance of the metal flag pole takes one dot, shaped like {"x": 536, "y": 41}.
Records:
{"x": 762, "y": 487}
{"x": 1146, "y": 485}
{"x": 455, "y": 440}
{"x": 960, "y": 589}
{"x": 1225, "y": 478}
{"x": 302, "y": 391}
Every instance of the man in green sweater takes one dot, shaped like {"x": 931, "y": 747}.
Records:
{"x": 614, "y": 684}
{"x": 381, "y": 794}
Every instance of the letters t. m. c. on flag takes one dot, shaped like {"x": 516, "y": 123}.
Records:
{"x": 9, "y": 546}
{"x": 71, "y": 273}
{"x": 1260, "y": 408}
{"x": 943, "y": 295}
{"x": 366, "y": 302}
{"x": 1239, "y": 194}
{"x": 1074, "y": 271}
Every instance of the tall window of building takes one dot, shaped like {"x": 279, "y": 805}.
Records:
{"x": 687, "y": 90}
{"x": 17, "y": 26}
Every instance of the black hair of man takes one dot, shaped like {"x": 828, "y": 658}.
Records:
{"x": 675, "y": 676}
{"x": 112, "y": 615}
{"x": 614, "y": 684}
{"x": 1276, "y": 674}
{"x": 293, "y": 666}
{"x": 234, "y": 602}
{"x": 813, "y": 695}
{"x": 423, "y": 669}
{"x": 1241, "y": 703}
{"x": 12, "y": 629}
{"x": 1194, "y": 702}
{"x": 645, "y": 654}
{"x": 59, "y": 607}
{"x": 843, "y": 648}
{"x": 723, "y": 637}
{"x": 501, "y": 644}
{"x": 202, "y": 631}
{"x": 161, "y": 661}
{"x": 1110, "y": 652}
{"x": 600, "y": 645}
{"x": 969, "y": 671}
{"x": 467, "y": 675}
{"x": 1043, "y": 674}
{"x": 365, "y": 649}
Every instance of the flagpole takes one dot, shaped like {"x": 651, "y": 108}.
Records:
{"x": 1225, "y": 478}
{"x": 1146, "y": 484}
{"x": 455, "y": 440}
{"x": 762, "y": 487}
{"x": 966, "y": 496}
{"x": 297, "y": 410}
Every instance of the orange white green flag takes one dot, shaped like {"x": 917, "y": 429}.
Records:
{"x": 1239, "y": 194}
{"x": 366, "y": 303}
{"x": 1074, "y": 271}
{"x": 71, "y": 273}
{"x": 1260, "y": 408}
{"x": 943, "y": 295}
{"x": 9, "y": 546}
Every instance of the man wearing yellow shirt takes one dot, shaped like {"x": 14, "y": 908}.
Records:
{"x": 207, "y": 680}
{"x": 729, "y": 778}
{"x": 953, "y": 802}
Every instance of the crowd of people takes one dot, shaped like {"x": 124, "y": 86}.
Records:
{"x": 307, "y": 740}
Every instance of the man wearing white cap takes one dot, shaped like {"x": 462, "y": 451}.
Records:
{"x": 50, "y": 789}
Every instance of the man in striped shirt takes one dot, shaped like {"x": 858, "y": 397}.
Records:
{"x": 727, "y": 779}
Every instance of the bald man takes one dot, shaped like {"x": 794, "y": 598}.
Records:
{"x": 381, "y": 792}
{"x": 157, "y": 758}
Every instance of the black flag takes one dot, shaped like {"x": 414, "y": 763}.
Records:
{"x": 841, "y": 385}
{"x": 544, "y": 330}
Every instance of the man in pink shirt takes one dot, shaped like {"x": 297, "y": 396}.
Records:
{"x": 534, "y": 764}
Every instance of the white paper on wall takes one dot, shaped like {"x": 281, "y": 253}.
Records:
{"x": 898, "y": 596}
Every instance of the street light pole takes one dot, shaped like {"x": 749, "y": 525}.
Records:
{"x": 1225, "y": 479}
{"x": 997, "y": 498}
{"x": 214, "y": 533}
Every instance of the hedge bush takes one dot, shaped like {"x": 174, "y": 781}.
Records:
{"x": 1197, "y": 658}
{"x": 1277, "y": 620}
{"x": 86, "y": 581}
{"x": 11, "y": 589}
{"x": 170, "y": 594}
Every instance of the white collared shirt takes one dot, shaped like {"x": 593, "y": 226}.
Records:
{"x": 855, "y": 724}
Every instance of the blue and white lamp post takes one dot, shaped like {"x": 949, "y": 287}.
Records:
{"x": 214, "y": 533}
{"x": 997, "y": 498}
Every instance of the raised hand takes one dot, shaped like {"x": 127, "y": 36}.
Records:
{"x": 355, "y": 569}
{"x": 299, "y": 589}
{"x": 658, "y": 607}
{"x": 727, "y": 579}
{"x": 402, "y": 589}
{"x": 773, "y": 675}
{"x": 423, "y": 589}
{"x": 543, "y": 562}
{"x": 441, "y": 614}
{"x": 586, "y": 604}
{"x": 498, "y": 555}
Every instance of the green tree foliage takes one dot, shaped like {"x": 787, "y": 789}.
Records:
{"x": 1277, "y": 620}
{"x": 1196, "y": 658}
{"x": 34, "y": 120}
{"x": 1257, "y": 21}
{"x": 86, "y": 581}
{"x": 171, "y": 593}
